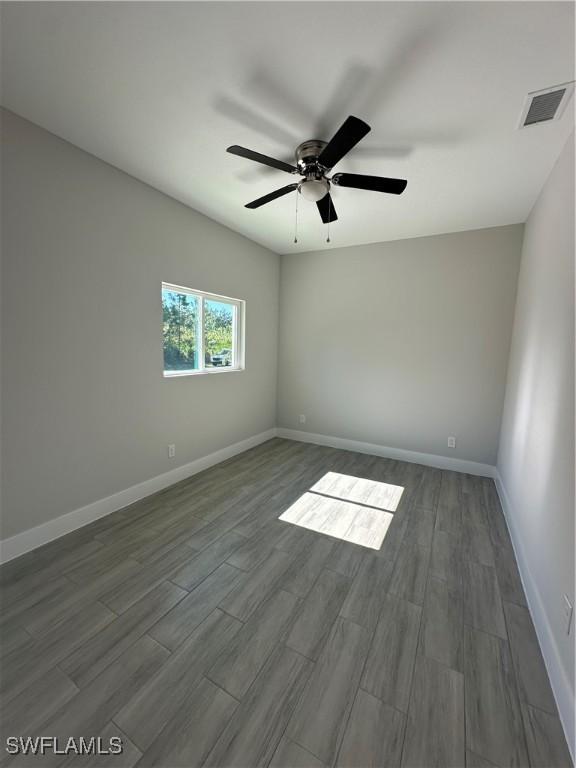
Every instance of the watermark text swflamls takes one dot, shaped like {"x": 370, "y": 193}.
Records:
{"x": 81, "y": 745}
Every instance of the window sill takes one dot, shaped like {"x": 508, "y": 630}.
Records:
{"x": 205, "y": 372}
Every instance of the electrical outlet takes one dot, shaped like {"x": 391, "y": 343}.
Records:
{"x": 451, "y": 442}
{"x": 568, "y": 609}
{"x": 302, "y": 418}
{"x": 171, "y": 451}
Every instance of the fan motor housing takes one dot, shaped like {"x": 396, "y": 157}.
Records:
{"x": 307, "y": 155}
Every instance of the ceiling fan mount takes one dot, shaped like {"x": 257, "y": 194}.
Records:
{"x": 316, "y": 158}
{"x": 307, "y": 155}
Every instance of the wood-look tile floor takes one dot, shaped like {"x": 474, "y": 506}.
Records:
{"x": 204, "y": 631}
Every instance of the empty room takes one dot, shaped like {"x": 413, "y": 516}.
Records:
{"x": 287, "y": 384}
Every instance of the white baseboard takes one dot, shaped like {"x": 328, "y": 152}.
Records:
{"x": 53, "y": 529}
{"x": 428, "y": 459}
{"x": 559, "y": 680}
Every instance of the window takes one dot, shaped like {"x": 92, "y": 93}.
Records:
{"x": 202, "y": 333}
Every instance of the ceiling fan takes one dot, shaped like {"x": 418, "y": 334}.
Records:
{"x": 314, "y": 159}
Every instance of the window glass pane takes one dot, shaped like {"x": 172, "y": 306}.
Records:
{"x": 181, "y": 317}
{"x": 218, "y": 333}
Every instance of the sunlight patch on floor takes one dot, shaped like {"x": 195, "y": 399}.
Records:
{"x": 346, "y": 507}
{"x": 359, "y": 490}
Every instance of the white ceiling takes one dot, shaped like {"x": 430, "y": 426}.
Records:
{"x": 161, "y": 89}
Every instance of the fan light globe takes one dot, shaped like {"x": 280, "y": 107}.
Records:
{"x": 313, "y": 189}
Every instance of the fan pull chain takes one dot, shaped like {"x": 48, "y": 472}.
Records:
{"x": 329, "y": 215}
{"x": 296, "y": 218}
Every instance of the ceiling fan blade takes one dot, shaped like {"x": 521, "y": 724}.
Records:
{"x": 271, "y": 196}
{"x": 264, "y": 159}
{"x": 326, "y": 209}
{"x": 347, "y": 136}
{"x": 372, "y": 183}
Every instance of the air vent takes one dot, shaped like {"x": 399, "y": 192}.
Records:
{"x": 544, "y": 106}
{"x": 548, "y": 104}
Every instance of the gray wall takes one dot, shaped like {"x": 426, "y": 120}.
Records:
{"x": 86, "y": 411}
{"x": 536, "y": 457}
{"x": 402, "y": 343}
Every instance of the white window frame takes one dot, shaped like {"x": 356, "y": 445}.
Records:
{"x": 238, "y": 323}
